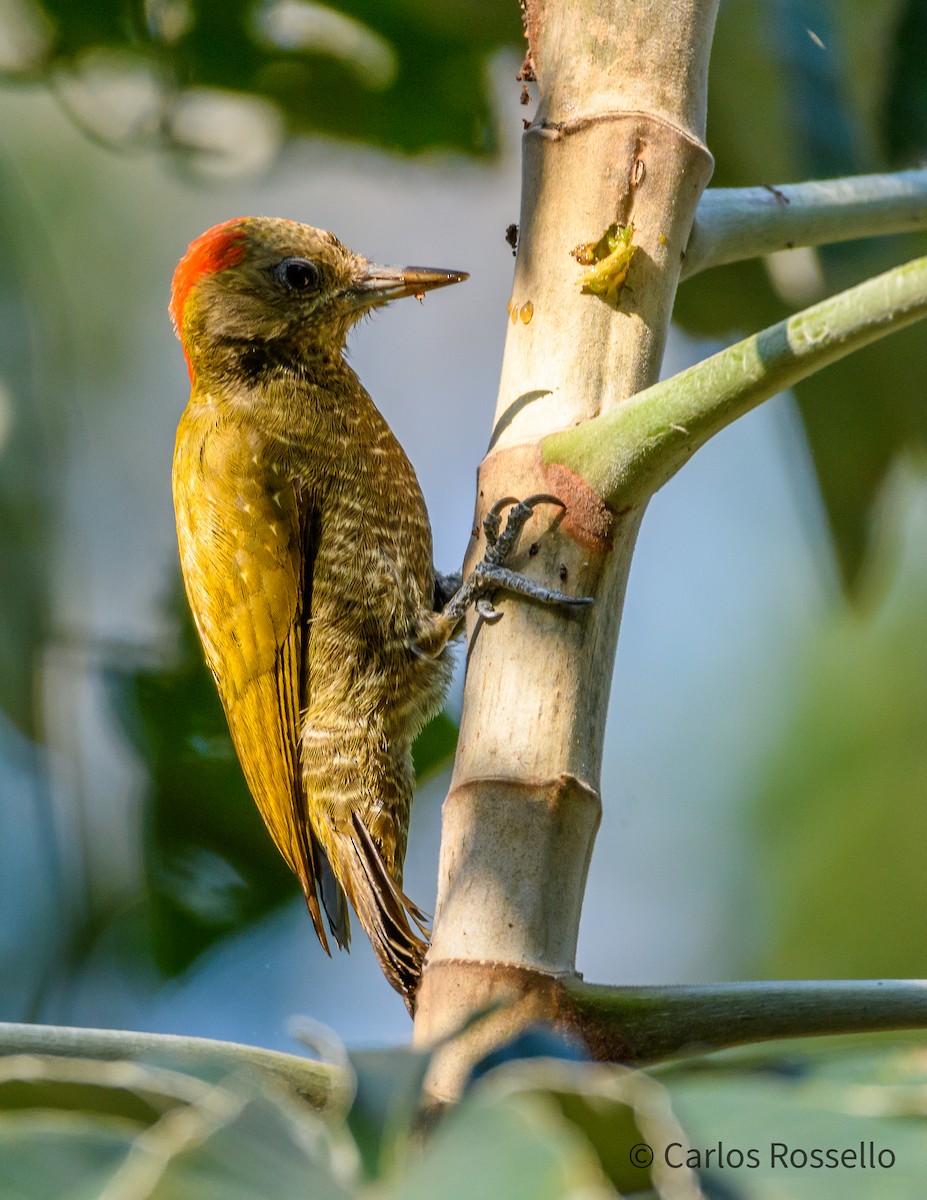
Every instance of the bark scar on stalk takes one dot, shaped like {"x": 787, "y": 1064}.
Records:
{"x": 588, "y": 519}
{"x": 531, "y": 23}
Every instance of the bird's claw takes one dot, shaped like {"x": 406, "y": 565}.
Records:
{"x": 499, "y": 545}
{"x": 492, "y": 522}
{"x": 491, "y": 574}
{"x": 487, "y": 578}
{"x": 485, "y": 609}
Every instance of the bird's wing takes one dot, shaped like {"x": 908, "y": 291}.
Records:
{"x": 243, "y": 535}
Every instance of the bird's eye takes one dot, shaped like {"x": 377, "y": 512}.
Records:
{"x": 298, "y": 273}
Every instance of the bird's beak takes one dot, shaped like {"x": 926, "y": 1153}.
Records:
{"x": 379, "y": 284}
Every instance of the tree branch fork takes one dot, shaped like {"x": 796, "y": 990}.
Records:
{"x": 611, "y": 464}
{"x": 626, "y": 454}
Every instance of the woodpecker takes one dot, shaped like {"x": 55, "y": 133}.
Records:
{"x": 306, "y": 554}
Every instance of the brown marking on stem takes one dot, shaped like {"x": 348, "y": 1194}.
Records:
{"x": 588, "y": 519}
{"x": 524, "y": 997}
{"x": 777, "y": 192}
{"x": 531, "y": 13}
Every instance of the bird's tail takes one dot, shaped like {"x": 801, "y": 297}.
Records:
{"x": 334, "y": 901}
{"x": 360, "y": 790}
{"x": 397, "y": 928}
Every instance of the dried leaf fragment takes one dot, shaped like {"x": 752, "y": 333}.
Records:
{"x": 608, "y": 261}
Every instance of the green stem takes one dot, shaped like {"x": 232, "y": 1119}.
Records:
{"x": 320, "y": 1084}
{"x": 652, "y": 1024}
{"x": 629, "y": 452}
{"x": 732, "y": 224}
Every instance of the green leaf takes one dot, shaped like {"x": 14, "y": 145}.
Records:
{"x": 620, "y": 1112}
{"x": 860, "y": 414}
{"x": 388, "y": 1098}
{"x": 235, "y": 1148}
{"x": 872, "y": 37}
{"x": 324, "y": 1082}
{"x": 794, "y": 1099}
{"x": 904, "y": 112}
{"x": 386, "y": 1104}
{"x": 517, "y": 1147}
{"x": 404, "y": 75}
{"x": 27, "y": 466}
{"x": 63, "y": 1155}
{"x": 71, "y": 1127}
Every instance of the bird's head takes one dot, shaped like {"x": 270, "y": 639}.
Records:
{"x": 257, "y": 280}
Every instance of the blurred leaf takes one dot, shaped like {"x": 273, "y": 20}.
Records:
{"x": 434, "y": 747}
{"x": 27, "y": 471}
{"x": 69, "y": 1127}
{"x": 386, "y": 1103}
{"x": 246, "y": 1148}
{"x": 75, "y": 1125}
{"x": 612, "y": 1131}
{"x": 212, "y": 867}
{"x": 860, "y": 414}
{"x": 621, "y": 1113}
{"x": 745, "y": 62}
{"x": 389, "y": 1097}
{"x": 534, "y": 1130}
{"x": 871, "y": 36}
{"x": 853, "y": 104}
{"x": 403, "y": 74}
{"x": 324, "y": 1082}
{"x": 860, "y": 1092}
{"x": 905, "y": 110}
{"x": 516, "y": 1148}
{"x": 843, "y": 817}
{"x": 64, "y": 1155}
{"x": 534, "y": 1041}
{"x": 68, "y": 1088}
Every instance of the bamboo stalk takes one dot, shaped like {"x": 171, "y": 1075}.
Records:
{"x": 618, "y": 137}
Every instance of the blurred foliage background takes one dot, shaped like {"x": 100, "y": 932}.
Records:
{"x": 767, "y": 762}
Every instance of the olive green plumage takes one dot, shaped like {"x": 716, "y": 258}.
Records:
{"x": 307, "y": 558}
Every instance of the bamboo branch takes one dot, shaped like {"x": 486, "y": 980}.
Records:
{"x": 733, "y": 224}
{"x": 626, "y": 454}
{"x": 651, "y": 1024}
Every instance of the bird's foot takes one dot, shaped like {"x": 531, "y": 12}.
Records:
{"x": 491, "y": 574}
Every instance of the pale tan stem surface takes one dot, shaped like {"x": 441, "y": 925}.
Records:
{"x": 617, "y": 137}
